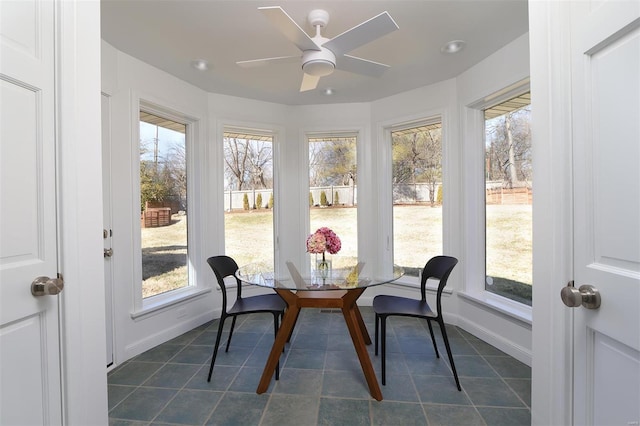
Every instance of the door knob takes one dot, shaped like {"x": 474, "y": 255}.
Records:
{"x": 108, "y": 252}
{"x": 587, "y": 296}
{"x": 45, "y": 286}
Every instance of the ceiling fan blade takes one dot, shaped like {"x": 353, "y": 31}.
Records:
{"x": 309, "y": 82}
{"x": 287, "y": 26}
{"x": 254, "y": 63}
{"x": 362, "y": 34}
{"x": 360, "y": 66}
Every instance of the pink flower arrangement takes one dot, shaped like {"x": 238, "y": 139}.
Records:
{"x": 324, "y": 239}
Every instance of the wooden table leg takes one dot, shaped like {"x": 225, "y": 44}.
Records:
{"x": 363, "y": 328}
{"x": 289, "y": 320}
{"x": 346, "y": 301}
{"x": 354, "y": 323}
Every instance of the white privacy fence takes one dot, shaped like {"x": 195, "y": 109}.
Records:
{"x": 407, "y": 193}
{"x": 344, "y": 195}
{"x": 340, "y": 195}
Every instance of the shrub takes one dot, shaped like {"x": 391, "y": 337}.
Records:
{"x": 439, "y": 195}
{"x": 271, "y": 201}
{"x": 336, "y": 199}
{"x": 259, "y": 200}
{"x": 323, "y": 199}
{"x": 310, "y": 199}
{"x": 245, "y": 201}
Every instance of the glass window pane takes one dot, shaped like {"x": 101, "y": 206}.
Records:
{"x": 508, "y": 195}
{"x": 248, "y": 192}
{"x": 417, "y": 196}
{"x": 333, "y": 190}
{"x": 163, "y": 205}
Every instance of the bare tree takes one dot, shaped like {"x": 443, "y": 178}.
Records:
{"x": 508, "y": 148}
{"x": 417, "y": 158}
{"x": 236, "y": 156}
{"x": 332, "y": 162}
{"x": 249, "y": 163}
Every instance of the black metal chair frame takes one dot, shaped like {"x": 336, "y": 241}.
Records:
{"x": 225, "y": 266}
{"x": 384, "y": 306}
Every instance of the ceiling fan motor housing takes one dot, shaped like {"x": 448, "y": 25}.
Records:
{"x": 318, "y": 63}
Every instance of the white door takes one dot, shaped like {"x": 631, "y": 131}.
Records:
{"x": 107, "y": 233}
{"x": 605, "y": 39}
{"x": 29, "y": 334}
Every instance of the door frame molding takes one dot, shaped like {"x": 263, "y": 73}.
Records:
{"x": 79, "y": 186}
{"x": 552, "y": 345}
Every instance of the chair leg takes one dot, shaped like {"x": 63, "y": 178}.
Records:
{"x": 376, "y": 337}
{"x": 233, "y": 324}
{"x": 383, "y": 347}
{"x": 215, "y": 347}
{"x": 433, "y": 338}
{"x": 446, "y": 344}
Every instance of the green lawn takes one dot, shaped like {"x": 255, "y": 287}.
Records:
{"x": 417, "y": 232}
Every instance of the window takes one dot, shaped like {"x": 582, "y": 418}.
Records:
{"x": 163, "y": 204}
{"x": 417, "y": 194}
{"x": 508, "y": 199}
{"x": 333, "y": 189}
{"x": 248, "y": 194}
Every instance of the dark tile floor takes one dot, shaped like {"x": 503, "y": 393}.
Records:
{"x": 321, "y": 382}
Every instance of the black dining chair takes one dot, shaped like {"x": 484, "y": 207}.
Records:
{"x": 439, "y": 267}
{"x": 225, "y": 266}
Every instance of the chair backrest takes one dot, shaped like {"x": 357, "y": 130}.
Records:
{"x": 438, "y": 267}
{"x": 224, "y": 266}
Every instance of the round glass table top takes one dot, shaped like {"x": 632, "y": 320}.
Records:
{"x": 345, "y": 277}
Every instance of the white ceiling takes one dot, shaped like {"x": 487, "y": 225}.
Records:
{"x": 169, "y": 34}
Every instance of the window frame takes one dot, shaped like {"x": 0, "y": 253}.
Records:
{"x": 330, "y": 134}
{"x": 195, "y": 287}
{"x": 258, "y": 132}
{"x": 216, "y": 180}
{"x": 473, "y": 169}
{"x": 385, "y": 200}
{"x": 407, "y": 126}
{"x": 319, "y": 133}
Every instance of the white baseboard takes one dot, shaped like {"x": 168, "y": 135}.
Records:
{"x": 167, "y": 334}
{"x": 510, "y": 348}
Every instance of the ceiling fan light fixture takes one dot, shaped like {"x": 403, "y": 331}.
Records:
{"x": 318, "y": 67}
{"x": 453, "y": 46}
{"x": 318, "y": 63}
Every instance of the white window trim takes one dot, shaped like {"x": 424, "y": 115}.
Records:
{"x": 277, "y": 135}
{"x": 328, "y": 132}
{"x": 473, "y": 169}
{"x": 143, "y": 307}
{"x": 385, "y": 200}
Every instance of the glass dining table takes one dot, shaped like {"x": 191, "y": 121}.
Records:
{"x": 339, "y": 287}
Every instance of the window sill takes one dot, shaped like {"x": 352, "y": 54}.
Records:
{"x": 500, "y": 304}
{"x": 162, "y": 302}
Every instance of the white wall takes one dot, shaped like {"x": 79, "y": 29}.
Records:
{"x": 126, "y": 80}
{"x": 496, "y": 321}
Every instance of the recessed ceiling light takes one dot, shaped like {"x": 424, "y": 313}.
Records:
{"x": 453, "y": 46}
{"x": 200, "y": 64}
{"x": 328, "y": 91}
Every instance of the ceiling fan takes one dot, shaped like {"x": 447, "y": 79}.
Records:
{"x": 320, "y": 55}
